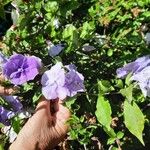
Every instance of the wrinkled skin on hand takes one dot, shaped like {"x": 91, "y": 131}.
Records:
{"x": 45, "y": 129}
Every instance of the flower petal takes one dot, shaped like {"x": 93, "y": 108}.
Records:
{"x": 50, "y": 92}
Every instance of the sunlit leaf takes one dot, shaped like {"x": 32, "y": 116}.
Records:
{"x": 103, "y": 112}
{"x": 134, "y": 119}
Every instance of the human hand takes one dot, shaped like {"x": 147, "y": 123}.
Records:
{"x": 45, "y": 129}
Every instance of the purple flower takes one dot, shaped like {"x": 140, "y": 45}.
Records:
{"x": 143, "y": 80}
{"x": 53, "y": 82}
{"x": 133, "y": 67}
{"x": 14, "y": 102}
{"x": 74, "y": 81}
{"x": 5, "y": 115}
{"x": 56, "y": 83}
{"x": 20, "y": 69}
{"x": 54, "y": 50}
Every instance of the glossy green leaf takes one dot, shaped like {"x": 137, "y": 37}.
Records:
{"x": 134, "y": 119}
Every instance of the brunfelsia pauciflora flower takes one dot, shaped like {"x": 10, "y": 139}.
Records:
{"x": 58, "y": 82}
{"x": 19, "y": 68}
{"x": 62, "y": 81}
{"x": 140, "y": 70}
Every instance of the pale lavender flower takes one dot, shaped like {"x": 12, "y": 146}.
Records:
{"x": 54, "y": 50}
{"x": 143, "y": 80}
{"x": 20, "y": 69}
{"x": 53, "y": 82}
{"x": 74, "y": 81}
{"x": 5, "y": 115}
{"x": 14, "y": 102}
{"x": 133, "y": 67}
{"x": 56, "y": 83}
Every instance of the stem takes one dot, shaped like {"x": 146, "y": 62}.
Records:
{"x": 118, "y": 144}
{"x": 85, "y": 146}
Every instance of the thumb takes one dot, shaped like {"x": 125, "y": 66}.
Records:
{"x": 43, "y": 106}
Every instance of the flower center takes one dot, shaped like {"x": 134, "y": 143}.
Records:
{"x": 20, "y": 70}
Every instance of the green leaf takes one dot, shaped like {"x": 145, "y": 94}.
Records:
{"x": 119, "y": 83}
{"x": 120, "y": 135}
{"x": 70, "y": 101}
{"x": 110, "y": 132}
{"x": 1, "y": 146}
{"x": 105, "y": 86}
{"x": 128, "y": 79}
{"x": 36, "y": 96}
{"x": 146, "y": 14}
{"x": 111, "y": 140}
{"x": 51, "y": 6}
{"x": 28, "y": 86}
{"x": 1, "y": 125}
{"x": 16, "y": 124}
{"x": 110, "y": 52}
{"x": 70, "y": 34}
{"x": 127, "y": 92}
{"x": 123, "y": 33}
{"x": 103, "y": 112}
{"x": 2, "y": 13}
{"x": 87, "y": 30}
{"x": 134, "y": 119}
